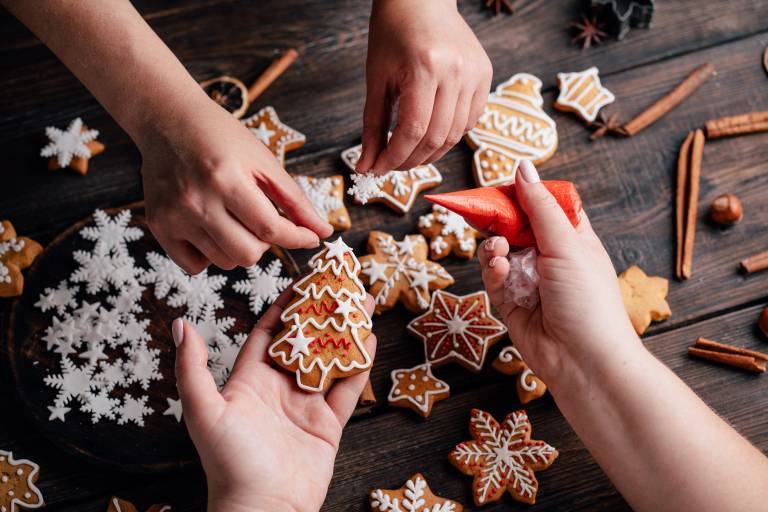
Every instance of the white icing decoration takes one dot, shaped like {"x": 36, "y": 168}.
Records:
{"x": 133, "y": 410}
{"x": 64, "y": 145}
{"x": 508, "y": 355}
{"x": 420, "y": 401}
{"x": 263, "y": 285}
{"x": 319, "y": 191}
{"x": 413, "y": 499}
{"x": 23, "y": 503}
{"x": 59, "y": 298}
{"x": 276, "y": 140}
{"x": 451, "y": 224}
{"x": 576, "y": 87}
{"x": 112, "y": 232}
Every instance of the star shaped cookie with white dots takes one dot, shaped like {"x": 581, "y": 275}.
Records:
{"x": 417, "y": 389}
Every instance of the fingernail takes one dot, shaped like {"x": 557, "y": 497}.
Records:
{"x": 494, "y": 261}
{"x": 529, "y": 172}
{"x": 177, "y": 329}
{"x": 490, "y": 243}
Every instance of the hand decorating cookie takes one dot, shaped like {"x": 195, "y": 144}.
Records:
{"x": 276, "y": 135}
{"x": 529, "y": 386}
{"x": 583, "y": 94}
{"x": 448, "y": 233}
{"x": 399, "y": 270}
{"x": 417, "y": 389}
{"x": 327, "y": 197}
{"x": 645, "y": 298}
{"x": 71, "y": 148}
{"x": 414, "y": 496}
{"x": 16, "y": 254}
{"x": 17, "y": 484}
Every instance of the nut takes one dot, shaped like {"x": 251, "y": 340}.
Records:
{"x": 726, "y": 209}
{"x": 762, "y": 322}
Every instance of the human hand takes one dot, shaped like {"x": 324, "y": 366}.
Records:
{"x": 581, "y": 317}
{"x": 209, "y": 186}
{"x": 264, "y": 443}
{"x": 424, "y": 55}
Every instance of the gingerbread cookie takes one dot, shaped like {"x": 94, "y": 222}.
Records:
{"x": 396, "y": 189}
{"x": 414, "y": 496}
{"x": 17, "y": 484}
{"x": 71, "y": 148}
{"x": 458, "y": 329}
{"x": 276, "y": 135}
{"x": 529, "y": 386}
{"x": 512, "y": 127}
{"x": 417, "y": 389}
{"x": 118, "y": 505}
{"x": 327, "y": 196}
{"x": 326, "y": 322}
{"x": 16, "y": 254}
{"x": 400, "y": 270}
{"x": 502, "y": 457}
{"x": 448, "y": 232}
{"x": 583, "y": 94}
{"x": 645, "y": 298}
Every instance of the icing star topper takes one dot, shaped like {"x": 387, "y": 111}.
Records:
{"x": 273, "y": 133}
{"x": 72, "y": 147}
{"x": 417, "y": 389}
{"x": 414, "y": 496}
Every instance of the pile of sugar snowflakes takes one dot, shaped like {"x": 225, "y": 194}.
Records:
{"x": 108, "y": 363}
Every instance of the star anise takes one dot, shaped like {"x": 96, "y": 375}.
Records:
{"x": 589, "y": 32}
{"x": 499, "y": 4}
{"x": 605, "y": 125}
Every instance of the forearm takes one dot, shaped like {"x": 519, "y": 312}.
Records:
{"x": 662, "y": 447}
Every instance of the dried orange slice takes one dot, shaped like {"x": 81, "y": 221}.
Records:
{"x": 228, "y": 92}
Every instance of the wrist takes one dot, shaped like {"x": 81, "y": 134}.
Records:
{"x": 235, "y": 502}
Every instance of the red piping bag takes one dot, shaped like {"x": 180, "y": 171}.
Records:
{"x": 497, "y": 210}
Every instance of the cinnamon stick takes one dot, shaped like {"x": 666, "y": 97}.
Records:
{"x": 367, "y": 398}
{"x": 680, "y": 200}
{"x": 747, "y": 363}
{"x": 271, "y": 74}
{"x": 716, "y": 346}
{"x": 672, "y": 99}
{"x": 755, "y": 263}
{"x": 692, "y": 201}
{"x": 752, "y": 122}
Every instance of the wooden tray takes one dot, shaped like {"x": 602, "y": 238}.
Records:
{"x": 162, "y": 444}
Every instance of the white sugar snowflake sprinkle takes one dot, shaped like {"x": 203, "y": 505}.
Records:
{"x": 70, "y": 143}
{"x": 143, "y": 365}
{"x": 164, "y": 274}
{"x": 111, "y": 375}
{"x": 59, "y": 298}
{"x": 365, "y": 187}
{"x": 263, "y": 285}
{"x": 112, "y": 232}
{"x": 100, "y": 405}
{"x": 222, "y": 358}
{"x": 93, "y": 353}
{"x": 174, "y": 408}
{"x": 95, "y": 269}
{"x": 133, "y": 410}
{"x": 213, "y": 330}
{"x": 198, "y": 292}
{"x": 72, "y": 382}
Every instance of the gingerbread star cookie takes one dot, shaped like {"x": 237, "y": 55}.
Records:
{"x": 327, "y": 196}
{"x": 399, "y": 270}
{"x": 583, "y": 94}
{"x": 448, "y": 233}
{"x": 72, "y": 147}
{"x": 502, "y": 457}
{"x": 118, "y": 505}
{"x": 16, "y": 254}
{"x": 645, "y": 298}
{"x": 326, "y": 322}
{"x": 414, "y": 496}
{"x": 276, "y": 135}
{"x": 458, "y": 329}
{"x": 17, "y": 484}
{"x": 512, "y": 127}
{"x": 417, "y": 389}
{"x": 529, "y": 386}
{"x": 396, "y": 189}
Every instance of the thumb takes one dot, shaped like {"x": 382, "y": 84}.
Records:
{"x": 554, "y": 233}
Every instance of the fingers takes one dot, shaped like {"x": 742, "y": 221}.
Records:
{"x": 479, "y": 99}
{"x": 228, "y": 234}
{"x": 439, "y": 126}
{"x": 495, "y": 267}
{"x": 493, "y": 246}
{"x": 199, "y": 396}
{"x": 345, "y": 393}
{"x": 185, "y": 255}
{"x": 376, "y": 118}
{"x": 211, "y": 250}
{"x": 457, "y": 128}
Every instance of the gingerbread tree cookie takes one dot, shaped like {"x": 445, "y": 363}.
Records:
{"x": 417, "y": 389}
{"x": 16, "y": 254}
{"x": 17, "y": 484}
{"x": 583, "y": 94}
{"x": 72, "y": 147}
{"x": 276, "y": 135}
{"x": 512, "y": 127}
{"x": 502, "y": 457}
{"x": 448, "y": 232}
{"x": 645, "y": 298}
{"x": 458, "y": 329}
{"x": 414, "y": 496}
{"x": 400, "y": 270}
{"x": 529, "y": 386}
{"x": 327, "y": 197}
{"x": 326, "y": 322}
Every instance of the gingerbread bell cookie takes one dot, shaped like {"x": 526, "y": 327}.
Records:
{"x": 458, "y": 329}
{"x": 417, "y": 389}
{"x": 399, "y": 270}
{"x": 645, "y": 298}
{"x": 326, "y": 322}
{"x": 512, "y": 127}
{"x": 502, "y": 457}
{"x": 276, "y": 135}
{"x": 529, "y": 386}
{"x": 396, "y": 189}
{"x": 327, "y": 197}
{"x": 414, "y": 496}
{"x": 583, "y": 94}
{"x": 118, "y": 505}
{"x": 16, "y": 254}
{"x": 448, "y": 233}
{"x": 72, "y": 147}
{"x": 17, "y": 484}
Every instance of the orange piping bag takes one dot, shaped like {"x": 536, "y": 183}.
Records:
{"x": 497, "y": 210}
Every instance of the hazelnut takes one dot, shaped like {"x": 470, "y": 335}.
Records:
{"x": 726, "y": 209}
{"x": 762, "y": 322}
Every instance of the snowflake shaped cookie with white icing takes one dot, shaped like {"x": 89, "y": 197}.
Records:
{"x": 72, "y": 147}
{"x": 448, "y": 232}
{"x": 414, "y": 496}
{"x": 327, "y": 197}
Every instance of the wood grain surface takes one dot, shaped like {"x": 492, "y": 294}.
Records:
{"x": 627, "y": 186}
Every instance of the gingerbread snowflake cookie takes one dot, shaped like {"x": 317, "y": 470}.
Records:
{"x": 458, "y": 329}
{"x": 119, "y": 505}
{"x": 16, "y": 254}
{"x": 448, "y": 233}
{"x": 72, "y": 147}
{"x": 645, "y": 298}
{"x": 414, "y": 496}
{"x": 326, "y": 322}
{"x": 417, "y": 389}
{"x": 399, "y": 270}
{"x": 273, "y": 133}
{"x": 327, "y": 197}
{"x": 396, "y": 189}
{"x": 512, "y": 127}
{"x": 17, "y": 484}
{"x": 529, "y": 386}
{"x": 583, "y": 94}
{"x": 502, "y": 457}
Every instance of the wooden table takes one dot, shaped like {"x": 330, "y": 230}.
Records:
{"x": 627, "y": 187}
